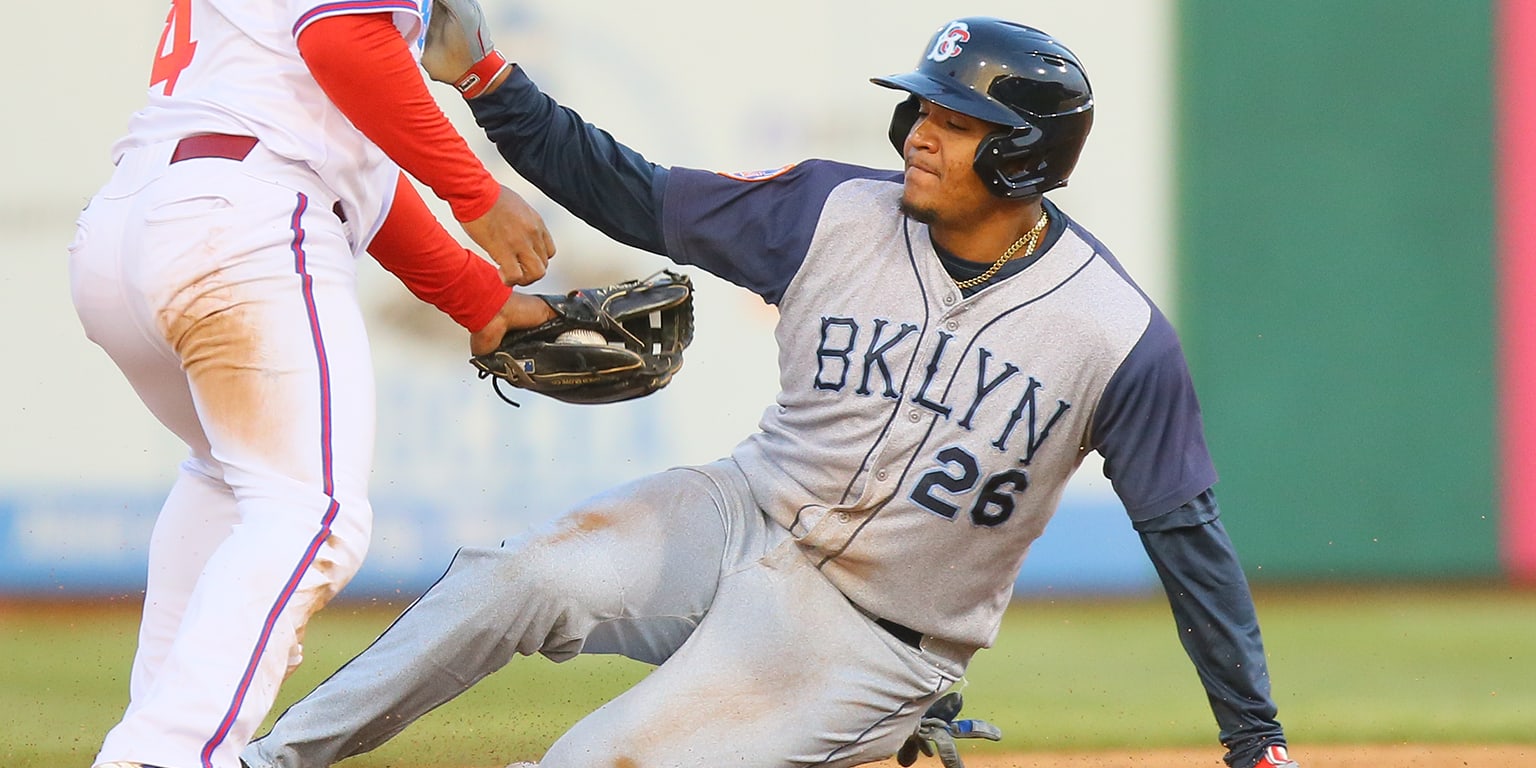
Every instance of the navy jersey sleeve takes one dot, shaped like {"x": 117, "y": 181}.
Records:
{"x": 579, "y": 166}
{"x": 1148, "y": 429}
{"x": 753, "y": 230}
{"x": 1217, "y": 624}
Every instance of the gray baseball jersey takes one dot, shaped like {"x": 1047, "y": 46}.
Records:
{"x": 922, "y": 439}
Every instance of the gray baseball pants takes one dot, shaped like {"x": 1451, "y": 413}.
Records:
{"x": 762, "y": 661}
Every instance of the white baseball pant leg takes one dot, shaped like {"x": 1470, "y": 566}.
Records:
{"x": 225, "y": 292}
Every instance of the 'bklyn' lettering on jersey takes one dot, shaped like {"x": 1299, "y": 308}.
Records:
{"x": 948, "y": 44}
{"x": 836, "y": 359}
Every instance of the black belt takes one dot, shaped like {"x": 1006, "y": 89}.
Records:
{"x": 905, "y": 634}
{"x": 213, "y": 145}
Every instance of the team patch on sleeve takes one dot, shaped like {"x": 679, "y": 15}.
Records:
{"x": 763, "y": 175}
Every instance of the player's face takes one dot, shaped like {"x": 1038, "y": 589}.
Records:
{"x": 940, "y": 187}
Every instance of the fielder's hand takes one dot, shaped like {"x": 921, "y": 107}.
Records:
{"x": 522, "y": 310}
{"x": 937, "y": 731}
{"x": 459, "y": 50}
{"x": 514, "y": 236}
{"x": 600, "y": 345}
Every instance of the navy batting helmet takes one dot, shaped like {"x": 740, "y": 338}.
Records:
{"x": 1012, "y": 75}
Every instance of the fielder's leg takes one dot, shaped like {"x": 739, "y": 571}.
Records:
{"x": 236, "y": 335}
{"x": 631, "y": 571}
{"x": 195, "y": 519}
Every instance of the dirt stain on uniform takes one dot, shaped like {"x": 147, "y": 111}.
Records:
{"x": 581, "y": 524}
{"x": 330, "y": 582}
{"x": 220, "y": 344}
{"x": 314, "y": 594}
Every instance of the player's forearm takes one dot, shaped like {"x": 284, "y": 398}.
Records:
{"x": 579, "y": 166}
{"x": 414, "y": 247}
{"x": 1219, "y": 629}
{"x": 366, "y": 69}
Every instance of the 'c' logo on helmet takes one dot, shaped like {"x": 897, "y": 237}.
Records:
{"x": 948, "y": 44}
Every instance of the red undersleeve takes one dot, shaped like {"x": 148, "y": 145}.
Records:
{"x": 413, "y": 246}
{"x": 364, "y": 66}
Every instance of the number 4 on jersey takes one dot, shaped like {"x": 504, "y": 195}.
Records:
{"x": 176, "y": 46}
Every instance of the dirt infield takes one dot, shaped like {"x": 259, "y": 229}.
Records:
{"x": 1383, "y": 756}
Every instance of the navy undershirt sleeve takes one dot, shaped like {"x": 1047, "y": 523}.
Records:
{"x": 579, "y": 166}
{"x": 1217, "y": 624}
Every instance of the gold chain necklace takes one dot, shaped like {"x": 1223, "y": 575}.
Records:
{"x": 1027, "y": 242}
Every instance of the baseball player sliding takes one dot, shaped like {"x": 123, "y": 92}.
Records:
{"x": 951, "y": 345}
{"x": 217, "y": 267}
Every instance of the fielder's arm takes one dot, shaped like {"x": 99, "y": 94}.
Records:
{"x": 367, "y": 70}
{"x": 414, "y": 247}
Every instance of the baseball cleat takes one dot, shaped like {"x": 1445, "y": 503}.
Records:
{"x": 1275, "y": 756}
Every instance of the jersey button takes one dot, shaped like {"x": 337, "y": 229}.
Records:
{"x": 843, "y": 517}
{"x": 880, "y": 474}
{"x": 952, "y": 325}
{"x": 914, "y": 416}
{"x": 949, "y": 299}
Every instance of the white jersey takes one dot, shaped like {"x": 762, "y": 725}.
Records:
{"x": 259, "y": 86}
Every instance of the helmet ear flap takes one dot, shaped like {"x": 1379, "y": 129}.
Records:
{"x": 902, "y": 120}
{"x": 999, "y": 153}
{"x": 1003, "y": 145}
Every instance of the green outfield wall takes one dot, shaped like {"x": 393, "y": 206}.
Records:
{"x": 1335, "y": 251}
